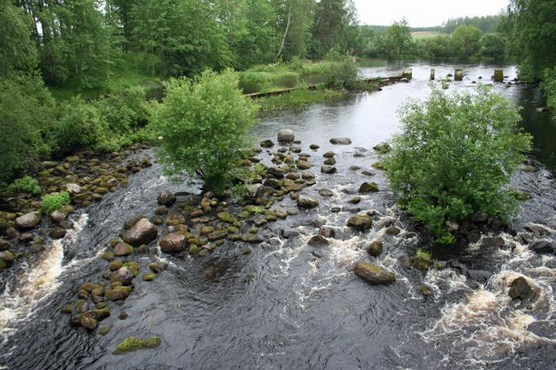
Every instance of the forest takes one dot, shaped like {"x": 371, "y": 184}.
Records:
{"x": 74, "y": 73}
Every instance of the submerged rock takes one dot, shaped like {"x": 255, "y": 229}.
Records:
{"x": 318, "y": 240}
{"x": 373, "y": 274}
{"x": 542, "y": 247}
{"x": 340, "y": 141}
{"x": 133, "y": 343}
{"x": 520, "y": 288}
{"x": 143, "y": 232}
{"x": 166, "y": 198}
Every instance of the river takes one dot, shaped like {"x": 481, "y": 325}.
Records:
{"x": 283, "y": 304}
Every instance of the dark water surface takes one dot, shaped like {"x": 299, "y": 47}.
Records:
{"x": 288, "y": 305}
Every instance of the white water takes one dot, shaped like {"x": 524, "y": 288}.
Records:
{"x": 36, "y": 284}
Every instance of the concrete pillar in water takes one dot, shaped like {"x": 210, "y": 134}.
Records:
{"x": 498, "y": 75}
{"x": 407, "y": 73}
{"x": 432, "y": 73}
{"x": 458, "y": 75}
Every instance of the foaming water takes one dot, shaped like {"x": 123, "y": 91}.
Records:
{"x": 35, "y": 284}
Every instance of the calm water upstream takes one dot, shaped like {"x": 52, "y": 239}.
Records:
{"x": 288, "y": 305}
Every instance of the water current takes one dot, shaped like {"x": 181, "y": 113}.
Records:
{"x": 289, "y": 305}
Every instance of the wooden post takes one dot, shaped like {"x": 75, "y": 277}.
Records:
{"x": 432, "y": 74}
{"x": 458, "y": 75}
{"x": 498, "y": 75}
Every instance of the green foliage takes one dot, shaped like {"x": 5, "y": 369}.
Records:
{"x": 397, "y": 39}
{"x": 493, "y": 45}
{"x": 125, "y": 112}
{"x": 17, "y": 50}
{"x": 26, "y": 115}
{"x": 81, "y": 125}
{"x": 466, "y": 41}
{"x": 26, "y": 184}
{"x": 130, "y": 344}
{"x": 455, "y": 156}
{"x": 203, "y": 123}
{"x": 549, "y": 88}
{"x": 343, "y": 72}
{"x": 54, "y": 201}
{"x": 534, "y": 36}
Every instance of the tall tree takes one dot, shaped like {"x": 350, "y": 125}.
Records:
{"x": 534, "y": 36}
{"x": 17, "y": 50}
{"x": 333, "y": 19}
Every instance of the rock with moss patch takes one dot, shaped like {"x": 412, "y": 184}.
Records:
{"x": 158, "y": 267}
{"x": 382, "y": 148}
{"x": 133, "y": 343}
{"x": 307, "y": 202}
{"x": 373, "y": 274}
{"x": 118, "y": 293}
{"x": 421, "y": 260}
{"x": 360, "y": 222}
{"x": 368, "y": 187}
{"x": 149, "y": 276}
{"x": 340, "y": 141}
{"x": 327, "y": 169}
{"x": 28, "y": 220}
{"x": 123, "y": 249}
{"x": 166, "y": 198}
{"x": 375, "y": 248}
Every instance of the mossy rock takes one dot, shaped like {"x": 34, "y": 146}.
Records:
{"x": 149, "y": 276}
{"x": 115, "y": 265}
{"x": 193, "y": 249}
{"x": 375, "y": 248}
{"x": 131, "y": 344}
{"x": 378, "y": 165}
{"x": 133, "y": 266}
{"x": 421, "y": 260}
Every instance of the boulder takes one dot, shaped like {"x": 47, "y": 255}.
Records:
{"x": 340, "y": 141}
{"x": 307, "y": 202}
{"x": 123, "y": 274}
{"x": 118, "y": 293}
{"x": 251, "y": 238}
{"x": 328, "y": 169}
{"x": 520, "y": 288}
{"x": 373, "y": 274}
{"x": 368, "y": 187}
{"x": 492, "y": 242}
{"x": 73, "y": 188}
{"x": 267, "y": 144}
{"x": 123, "y": 249}
{"x": 314, "y": 146}
{"x": 173, "y": 243}
{"x": 375, "y": 248}
{"x": 28, "y": 220}
{"x": 360, "y": 222}
{"x": 382, "y": 147}
{"x": 318, "y": 240}
{"x": 326, "y": 193}
{"x": 143, "y": 232}
{"x": 542, "y": 247}
{"x": 166, "y": 198}
{"x": 57, "y": 232}
{"x": 286, "y": 136}
{"x": 5, "y": 245}
{"x": 329, "y": 155}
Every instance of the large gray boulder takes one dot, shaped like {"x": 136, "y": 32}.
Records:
{"x": 28, "y": 220}
{"x": 143, "y": 232}
{"x": 373, "y": 274}
{"x": 286, "y": 136}
{"x": 173, "y": 243}
{"x": 542, "y": 247}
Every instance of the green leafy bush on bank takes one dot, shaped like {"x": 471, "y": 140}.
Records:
{"x": 54, "y": 201}
{"x": 455, "y": 156}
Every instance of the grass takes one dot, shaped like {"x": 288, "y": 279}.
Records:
{"x": 299, "y": 98}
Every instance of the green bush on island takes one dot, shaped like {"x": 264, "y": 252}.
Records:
{"x": 203, "y": 124}
{"x": 455, "y": 156}
{"x": 54, "y": 201}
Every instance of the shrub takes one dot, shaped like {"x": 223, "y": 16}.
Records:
{"x": 455, "y": 156}
{"x": 203, "y": 125}
{"x": 81, "y": 125}
{"x": 26, "y": 184}
{"x": 54, "y": 201}
{"x": 26, "y": 114}
{"x": 125, "y": 112}
{"x": 342, "y": 72}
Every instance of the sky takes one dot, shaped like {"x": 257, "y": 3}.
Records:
{"x": 423, "y": 13}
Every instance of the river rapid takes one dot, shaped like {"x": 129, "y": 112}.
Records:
{"x": 283, "y": 304}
